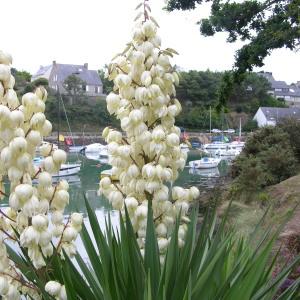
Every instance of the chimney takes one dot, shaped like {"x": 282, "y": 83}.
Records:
{"x": 54, "y": 63}
{"x": 86, "y": 66}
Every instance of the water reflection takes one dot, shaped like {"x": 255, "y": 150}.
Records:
{"x": 213, "y": 172}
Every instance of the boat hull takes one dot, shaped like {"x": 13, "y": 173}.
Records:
{"x": 204, "y": 164}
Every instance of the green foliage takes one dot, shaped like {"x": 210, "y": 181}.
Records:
{"x": 213, "y": 264}
{"x": 251, "y": 125}
{"x": 107, "y": 84}
{"x": 79, "y": 115}
{"x": 22, "y": 79}
{"x": 198, "y": 87}
{"x": 198, "y": 117}
{"x": 41, "y": 81}
{"x": 292, "y": 127}
{"x": 267, "y": 159}
{"x": 75, "y": 87}
{"x": 265, "y": 25}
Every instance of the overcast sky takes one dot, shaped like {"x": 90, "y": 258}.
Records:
{"x": 36, "y": 32}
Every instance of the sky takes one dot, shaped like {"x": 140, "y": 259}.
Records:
{"x": 37, "y": 32}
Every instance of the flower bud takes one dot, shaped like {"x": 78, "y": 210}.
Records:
{"x": 76, "y": 219}
{"x": 131, "y": 203}
{"x": 46, "y": 128}
{"x": 49, "y": 165}
{"x": 16, "y": 117}
{"x": 105, "y": 132}
{"x": 4, "y": 72}
{"x": 135, "y": 116}
{"x": 149, "y": 29}
{"x": 122, "y": 80}
{"x": 41, "y": 92}
{"x": 59, "y": 156}
{"x": 45, "y": 179}
{"x": 113, "y": 102}
{"x": 40, "y": 222}
{"x": 53, "y": 288}
{"x": 146, "y": 78}
{"x": 24, "y": 191}
{"x": 161, "y": 230}
{"x": 34, "y": 137}
{"x": 105, "y": 183}
{"x": 162, "y": 245}
{"x": 133, "y": 171}
{"x": 57, "y": 217}
{"x": 70, "y": 234}
{"x": 5, "y": 58}
{"x": 29, "y": 100}
{"x": 173, "y": 139}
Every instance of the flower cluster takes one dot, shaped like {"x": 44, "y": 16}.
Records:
{"x": 146, "y": 160}
{"x": 31, "y": 194}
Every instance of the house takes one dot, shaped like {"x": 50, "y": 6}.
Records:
{"x": 57, "y": 73}
{"x": 271, "y": 115}
{"x": 281, "y": 90}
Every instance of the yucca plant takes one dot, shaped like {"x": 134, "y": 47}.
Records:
{"x": 214, "y": 263}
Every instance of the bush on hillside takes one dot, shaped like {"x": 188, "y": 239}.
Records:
{"x": 251, "y": 125}
{"x": 292, "y": 127}
{"x": 267, "y": 159}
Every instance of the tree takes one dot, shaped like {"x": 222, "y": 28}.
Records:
{"x": 107, "y": 85}
{"x": 23, "y": 81}
{"x": 75, "y": 87}
{"x": 265, "y": 25}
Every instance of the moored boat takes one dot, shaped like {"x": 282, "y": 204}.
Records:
{"x": 65, "y": 169}
{"x": 205, "y": 163}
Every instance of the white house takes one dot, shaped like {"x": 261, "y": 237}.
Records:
{"x": 269, "y": 116}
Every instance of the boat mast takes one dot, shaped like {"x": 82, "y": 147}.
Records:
{"x": 210, "y": 119}
{"x": 240, "y": 131}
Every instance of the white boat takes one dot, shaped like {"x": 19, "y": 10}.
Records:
{"x": 215, "y": 146}
{"x": 75, "y": 149}
{"x": 65, "y": 169}
{"x": 237, "y": 144}
{"x": 229, "y": 151}
{"x": 205, "y": 163}
{"x": 94, "y": 148}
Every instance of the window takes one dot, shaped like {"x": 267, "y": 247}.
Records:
{"x": 55, "y": 78}
{"x": 278, "y": 90}
{"x": 96, "y": 90}
{"x": 87, "y": 88}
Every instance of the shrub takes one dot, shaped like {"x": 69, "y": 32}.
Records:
{"x": 267, "y": 159}
{"x": 292, "y": 127}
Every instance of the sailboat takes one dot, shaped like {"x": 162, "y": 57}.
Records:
{"x": 65, "y": 169}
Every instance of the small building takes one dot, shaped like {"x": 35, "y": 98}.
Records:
{"x": 57, "y": 73}
{"x": 281, "y": 90}
{"x": 269, "y": 116}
